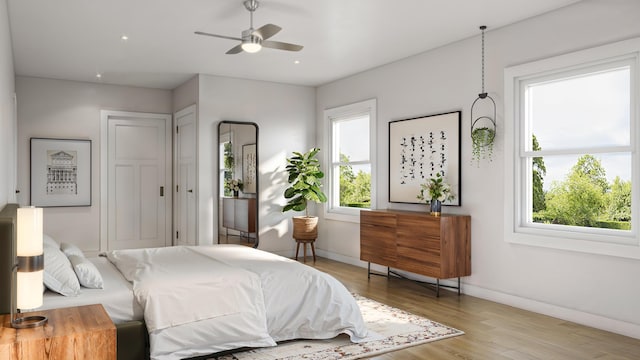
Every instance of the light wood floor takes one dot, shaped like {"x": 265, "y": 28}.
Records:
{"x": 235, "y": 239}
{"x": 492, "y": 331}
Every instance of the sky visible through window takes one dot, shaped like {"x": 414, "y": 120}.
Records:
{"x": 354, "y": 138}
{"x": 587, "y": 111}
{"x": 354, "y": 141}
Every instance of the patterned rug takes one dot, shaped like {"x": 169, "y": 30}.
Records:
{"x": 393, "y": 329}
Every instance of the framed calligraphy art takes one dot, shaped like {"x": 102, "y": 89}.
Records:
{"x": 419, "y": 149}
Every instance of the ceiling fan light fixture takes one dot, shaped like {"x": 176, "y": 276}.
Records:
{"x": 251, "y": 43}
{"x": 251, "y": 47}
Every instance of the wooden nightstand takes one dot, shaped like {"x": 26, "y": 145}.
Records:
{"x": 81, "y": 332}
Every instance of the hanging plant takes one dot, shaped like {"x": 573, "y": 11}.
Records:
{"x": 482, "y": 139}
{"x": 483, "y": 127}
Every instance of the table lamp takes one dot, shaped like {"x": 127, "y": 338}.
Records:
{"x": 29, "y": 268}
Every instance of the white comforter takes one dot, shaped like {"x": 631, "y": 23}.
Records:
{"x": 200, "y": 300}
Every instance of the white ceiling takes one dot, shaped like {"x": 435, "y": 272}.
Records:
{"x": 75, "y": 39}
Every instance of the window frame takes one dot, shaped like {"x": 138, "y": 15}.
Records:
{"x": 332, "y": 180}
{"x": 517, "y": 183}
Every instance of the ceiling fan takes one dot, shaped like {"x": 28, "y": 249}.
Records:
{"x": 253, "y": 40}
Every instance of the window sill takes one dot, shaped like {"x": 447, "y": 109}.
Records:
{"x": 630, "y": 251}
{"x": 344, "y": 216}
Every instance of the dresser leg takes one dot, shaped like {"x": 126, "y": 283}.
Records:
{"x": 437, "y": 287}
{"x": 458, "y": 286}
{"x": 368, "y": 270}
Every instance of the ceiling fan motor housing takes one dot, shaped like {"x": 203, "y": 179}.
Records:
{"x": 251, "y": 5}
{"x": 251, "y": 40}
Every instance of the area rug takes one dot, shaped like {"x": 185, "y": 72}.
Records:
{"x": 392, "y": 328}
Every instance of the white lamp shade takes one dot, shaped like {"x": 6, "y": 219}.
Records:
{"x": 29, "y": 245}
{"x": 251, "y": 47}
{"x": 29, "y": 289}
{"x": 29, "y": 231}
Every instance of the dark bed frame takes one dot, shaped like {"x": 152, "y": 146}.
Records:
{"x": 132, "y": 336}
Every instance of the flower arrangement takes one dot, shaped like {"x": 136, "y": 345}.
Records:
{"x": 435, "y": 189}
{"x": 233, "y": 184}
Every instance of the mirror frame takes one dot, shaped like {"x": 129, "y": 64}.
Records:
{"x": 233, "y": 122}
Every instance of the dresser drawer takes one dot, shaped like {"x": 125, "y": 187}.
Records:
{"x": 378, "y": 244}
{"x": 378, "y": 218}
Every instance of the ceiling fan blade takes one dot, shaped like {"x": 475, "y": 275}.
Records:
{"x": 235, "y": 50}
{"x": 267, "y": 31}
{"x": 218, "y": 36}
{"x": 282, "y": 45}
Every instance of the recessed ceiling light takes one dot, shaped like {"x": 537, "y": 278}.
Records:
{"x": 98, "y": 76}
{"x": 124, "y": 38}
{"x": 296, "y": 62}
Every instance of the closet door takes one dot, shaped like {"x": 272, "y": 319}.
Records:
{"x": 138, "y": 180}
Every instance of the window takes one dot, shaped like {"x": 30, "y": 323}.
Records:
{"x": 574, "y": 136}
{"x": 350, "y": 183}
{"x": 225, "y": 151}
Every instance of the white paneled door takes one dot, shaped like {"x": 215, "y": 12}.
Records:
{"x": 138, "y": 179}
{"x": 185, "y": 177}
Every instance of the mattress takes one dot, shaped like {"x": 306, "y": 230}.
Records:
{"x": 116, "y": 296}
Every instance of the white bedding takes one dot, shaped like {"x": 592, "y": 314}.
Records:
{"x": 116, "y": 297}
{"x": 219, "y": 297}
{"x": 194, "y": 305}
{"x": 301, "y": 302}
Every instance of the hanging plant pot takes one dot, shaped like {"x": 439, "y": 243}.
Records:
{"x": 483, "y": 128}
{"x": 482, "y": 139}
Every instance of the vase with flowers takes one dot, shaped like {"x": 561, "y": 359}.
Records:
{"x": 434, "y": 192}
{"x": 234, "y": 185}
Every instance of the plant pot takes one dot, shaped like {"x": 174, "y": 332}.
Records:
{"x": 436, "y": 207}
{"x": 235, "y": 193}
{"x": 482, "y": 139}
{"x": 305, "y": 227}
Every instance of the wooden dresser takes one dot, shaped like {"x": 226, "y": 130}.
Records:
{"x": 81, "y": 332}
{"x": 435, "y": 246}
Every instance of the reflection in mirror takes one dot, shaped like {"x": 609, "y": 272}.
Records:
{"x": 238, "y": 183}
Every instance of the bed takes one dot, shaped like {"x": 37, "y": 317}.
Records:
{"x": 183, "y": 302}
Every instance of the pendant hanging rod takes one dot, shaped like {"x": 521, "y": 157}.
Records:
{"x": 483, "y": 94}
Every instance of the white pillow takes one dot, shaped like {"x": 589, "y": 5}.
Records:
{"x": 70, "y": 249}
{"x": 48, "y": 241}
{"x": 88, "y": 274}
{"x": 58, "y": 273}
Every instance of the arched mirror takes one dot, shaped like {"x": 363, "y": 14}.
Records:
{"x": 238, "y": 183}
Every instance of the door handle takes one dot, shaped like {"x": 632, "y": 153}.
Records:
{"x": 190, "y": 190}
{"x": 161, "y": 190}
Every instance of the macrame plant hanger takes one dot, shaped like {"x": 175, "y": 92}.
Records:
{"x": 483, "y": 127}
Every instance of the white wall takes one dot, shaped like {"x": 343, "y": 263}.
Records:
{"x": 285, "y": 117}
{"x": 7, "y": 118}
{"x": 185, "y": 94}
{"x": 600, "y": 291}
{"x": 71, "y": 110}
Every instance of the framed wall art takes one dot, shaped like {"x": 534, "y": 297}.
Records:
{"x": 249, "y": 168}
{"x": 60, "y": 172}
{"x": 419, "y": 149}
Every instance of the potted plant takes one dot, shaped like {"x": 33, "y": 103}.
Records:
{"x": 435, "y": 191}
{"x": 304, "y": 186}
{"x": 482, "y": 143}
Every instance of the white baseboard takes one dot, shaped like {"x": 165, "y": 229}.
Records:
{"x": 576, "y": 316}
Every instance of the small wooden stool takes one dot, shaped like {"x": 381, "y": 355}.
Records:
{"x": 304, "y": 243}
